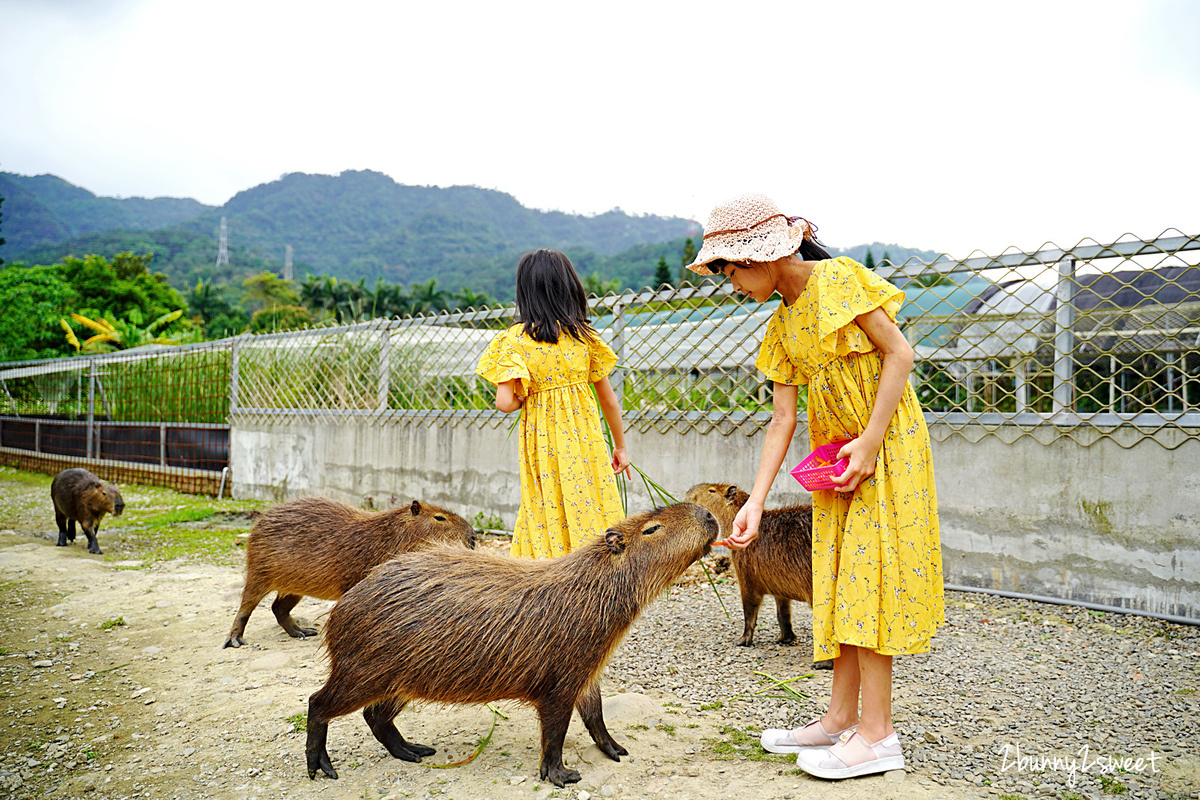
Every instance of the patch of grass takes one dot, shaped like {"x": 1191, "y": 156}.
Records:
{"x": 1112, "y": 785}
{"x": 299, "y": 722}
{"x": 735, "y": 743}
{"x": 1011, "y": 797}
{"x": 712, "y": 706}
{"x": 115, "y": 622}
{"x": 638, "y": 727}
{"x": 667, "y": 729}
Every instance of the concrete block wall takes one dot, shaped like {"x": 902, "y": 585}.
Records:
{"x": 1115, "y": 522}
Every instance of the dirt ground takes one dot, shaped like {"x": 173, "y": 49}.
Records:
{"x": 114, "y": 684}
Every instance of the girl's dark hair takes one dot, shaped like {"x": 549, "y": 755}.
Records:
{"x": 550, "y": 298}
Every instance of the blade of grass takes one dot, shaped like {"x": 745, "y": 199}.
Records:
{"x": 482, "y": 744}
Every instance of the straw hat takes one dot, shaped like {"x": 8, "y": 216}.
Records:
{"x": 750, "y": 227}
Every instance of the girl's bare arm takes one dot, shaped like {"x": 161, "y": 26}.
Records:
{"x": 897, "y": 356}
{"x": 506, "y": 396}
{"x": 779, "y": 436}
{"x": 610, "y": 407}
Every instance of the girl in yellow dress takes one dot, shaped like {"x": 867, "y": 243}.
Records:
{"x": 545, "y": 366}
{"x": 877, "y": 565}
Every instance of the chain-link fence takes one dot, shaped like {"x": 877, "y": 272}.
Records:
{"x": 149, "y": 415}
{"x": 1080, "y": 342}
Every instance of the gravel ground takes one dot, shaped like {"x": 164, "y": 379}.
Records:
{"x": 1016, "y": 699}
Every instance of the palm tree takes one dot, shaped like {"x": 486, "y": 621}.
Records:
{"x": 120, "y": 334}
{"x": 466, "y": 298}
{"x": 426, "y": 298}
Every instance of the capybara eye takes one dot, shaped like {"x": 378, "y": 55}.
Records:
{"x": 651, "y": 530}
{"x": 439, "y": 517}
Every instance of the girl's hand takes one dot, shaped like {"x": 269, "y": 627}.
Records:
{"x": 862, "y": 455}
{"x": 745, "y": 526}
{"x": 620, "y": 463}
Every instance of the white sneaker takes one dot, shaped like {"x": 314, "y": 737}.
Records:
{"x": 812, "y": 735}
{"x": 852, "y": 756}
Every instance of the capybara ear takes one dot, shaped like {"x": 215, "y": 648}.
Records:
{"x": 615, "y": 541}
{"x": 416, "y": 507}
{"x": 731, "y": 492}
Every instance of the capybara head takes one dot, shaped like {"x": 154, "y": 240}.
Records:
{"x": 103, "y": 497}
{"x": 655, "y": 547}
{"x": 724, "y": 500}
{"x": 437, "y": 525}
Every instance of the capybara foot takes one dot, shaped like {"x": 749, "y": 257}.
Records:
{"x": 62, "y": 542}
{"x": 314, "y": 748}
{"x": 826, "y": 664}
{"x": 301, "y": 633}
{"x": 424, "y": 751}
{"x": 559, "y": 775}
{"x": 234, "y": 641}
{"x": 745, "y": 641}
{"x": 95, "y": 550}
{"x": 787, "y": 640}
{"x": 612, "y": 750}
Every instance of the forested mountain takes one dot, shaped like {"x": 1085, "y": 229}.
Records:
{"x": 359, "y": 224}
{"x": 45, "y": 209}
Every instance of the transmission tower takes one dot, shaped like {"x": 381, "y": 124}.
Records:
{"x": 222, "y": 247}
{"x": 287, "y": 262}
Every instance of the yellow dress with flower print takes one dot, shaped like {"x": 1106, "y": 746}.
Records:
{"x": 877, "y": 563}
{"x": 568, "y": 490}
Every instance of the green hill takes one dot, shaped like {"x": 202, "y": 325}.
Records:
{"x": 360, "y": 224}
{"x": 45, "y": 209}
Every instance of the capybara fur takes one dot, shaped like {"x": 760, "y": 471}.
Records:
{"x": 457, "y": 626}
{"x": 778, "y": 562}
{"x": 79, "y": 495}
{"x": 320, "y": 548}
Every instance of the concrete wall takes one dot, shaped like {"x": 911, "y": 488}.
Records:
{"x": 1112, "y": 521}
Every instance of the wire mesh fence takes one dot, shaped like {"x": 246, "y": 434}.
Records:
{"x": 147, "y": 415}
{"x": 1081, "y": 342}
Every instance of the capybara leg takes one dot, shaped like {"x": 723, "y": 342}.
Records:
{"x": 591, "y": 711}
{"x": 750, "y": 606}
{"x": 379, "y": 718}
{"x": 555, "y": 714}
{"x": 826, "y": 664}
{"x": 70, "y": 530}
{"x": 252, "y": 595}
{"x": 61, "y": 519}
{"x": 283, "y": 605}
{"x": 93, "y": 545}
{"x": 783, "y": 613}
{"x": 314, "y": 748}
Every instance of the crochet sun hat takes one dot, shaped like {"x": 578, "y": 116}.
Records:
{"x": 750, "y": 227}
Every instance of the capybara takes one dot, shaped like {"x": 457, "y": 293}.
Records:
{"x": 456, "y": 626}
{"x": 320, "y": 548}
{"x": 778, "y": 562}
{"x": 80, "y": 495}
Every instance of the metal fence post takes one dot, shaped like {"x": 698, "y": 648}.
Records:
{"x": 234, "y": 348}
{"x": 618, "y": 329}
{"x": 385, "y": 370}
{"x": 91, "y": 409}
{"x": 1064, "y": 338}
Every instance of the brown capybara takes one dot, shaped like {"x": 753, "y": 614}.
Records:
{"x": 320, "y": 548}
{"x": 80, "y": 495}
{"x": 778, "y": 562}
{"x": 456, "y": 626}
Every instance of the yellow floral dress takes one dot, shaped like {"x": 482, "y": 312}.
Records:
{"x": 877, "y": 561}
{"x": 568, "y": 490}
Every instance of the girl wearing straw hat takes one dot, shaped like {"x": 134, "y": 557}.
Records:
{"x": 877, "y": 566}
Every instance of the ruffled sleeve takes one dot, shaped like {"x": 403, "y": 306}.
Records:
{"x": 502, "y": 360}
{"x": 846, "y": 289}
{"x": 601, "y": 359}
{"x": 773, "y": 359}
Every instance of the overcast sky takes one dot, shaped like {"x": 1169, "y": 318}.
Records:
{"x": 944, "y": 126}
